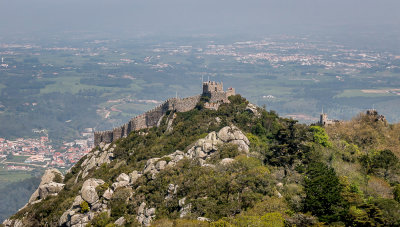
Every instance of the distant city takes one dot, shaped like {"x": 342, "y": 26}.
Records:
{"x": 28, "y": 154}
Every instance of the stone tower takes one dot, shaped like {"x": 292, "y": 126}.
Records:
{"x": 323, "y": 119}
{"x": 212, "y": 86}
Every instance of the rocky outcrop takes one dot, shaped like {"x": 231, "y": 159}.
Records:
{"x": 88, "y": 203}
{"x": 14, "y": 223}
{"x": 75, "y": 216}
{"x": 122, "y": 181}
{"x": 202, "y": 149}
{"x": 97, "y": 158}
{"x": 146, "y": 215}
{"x": 47, "y": 185}
{"x": 252, "y": 109}
{"x": 51, "y": 188}
{"x": 184, "y": 208}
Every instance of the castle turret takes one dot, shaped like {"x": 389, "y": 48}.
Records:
{"x": 212, "y": 86}
{"x": 215, "y": 91}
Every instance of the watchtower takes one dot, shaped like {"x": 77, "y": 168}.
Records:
{"x": 212, "y": 86}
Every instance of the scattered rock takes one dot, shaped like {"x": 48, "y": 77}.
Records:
{"x": 77, "y": 201}
{"x": 227, "y": 161}
{"x": 108, "y": 194}
{"x": 123, "y": 177}
{"x": 119, "y": 184}
{"x": 134, "y": 176}
{"x": 141, "y": 208}
{"x": 204, "y": 219}
{"x": 145, "y": 216}
{"x": 64, "y": 218}
{"x": 172, "y": 190}
{"x": 96, "y": 207}
{"x": 120, "y": 221}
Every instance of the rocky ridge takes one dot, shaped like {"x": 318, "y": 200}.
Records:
{"x": 97, "y": 203}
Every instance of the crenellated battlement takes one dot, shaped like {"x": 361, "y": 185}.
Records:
{"x": 153, "y": 117}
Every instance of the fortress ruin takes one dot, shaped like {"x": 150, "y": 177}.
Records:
{"x": 211, "y": 89}
{"x": 324, "y": 121}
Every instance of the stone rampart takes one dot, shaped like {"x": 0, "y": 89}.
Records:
{"x": 185, "y": 104}
{"x": 219, "y": 97}
{"x": 213, "y": 90}
{"x": 148, "y": 119}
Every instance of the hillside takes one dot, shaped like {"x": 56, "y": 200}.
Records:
{"x": 235, "y": 166}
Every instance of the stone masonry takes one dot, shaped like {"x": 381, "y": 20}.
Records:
{"x": 211, "y": 89}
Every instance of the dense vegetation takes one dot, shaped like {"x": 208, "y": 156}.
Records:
{"x": 344, "y": 175}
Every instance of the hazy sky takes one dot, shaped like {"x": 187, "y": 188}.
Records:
{"x": 193, "y": 15}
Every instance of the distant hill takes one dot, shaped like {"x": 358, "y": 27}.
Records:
{"x": 15, "y": 195}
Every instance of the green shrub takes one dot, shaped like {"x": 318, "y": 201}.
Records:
{"x": 101, "y": 220}
{"x": 273, "y": 220}
{"x": 84, "y": 207}
{"x": 396, "y": 193}
{"x": 119, "y": 205}
{"x": 220, "y": 223}
{"x": 320, "y": 136}
{"x": 190, "y": 223}
{"x": 58, "y": 178}
{"x": 100, "y": 189}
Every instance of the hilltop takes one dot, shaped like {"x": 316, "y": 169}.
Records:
{"x": 233, "y": 164}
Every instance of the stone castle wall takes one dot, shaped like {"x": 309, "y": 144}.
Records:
{"x": 152, "y": 118}
{"x": 148, "y": 119}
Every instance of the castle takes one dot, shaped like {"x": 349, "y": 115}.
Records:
{"x": 323, "y": 120}
{"x": 211, "y": 89}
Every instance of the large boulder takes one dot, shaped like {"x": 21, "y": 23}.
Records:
{"x": 51, "y": 188}
{"x": 88, "y": 191}
{"x": 89, "y": 194}
{"x": 108, "y": 194}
